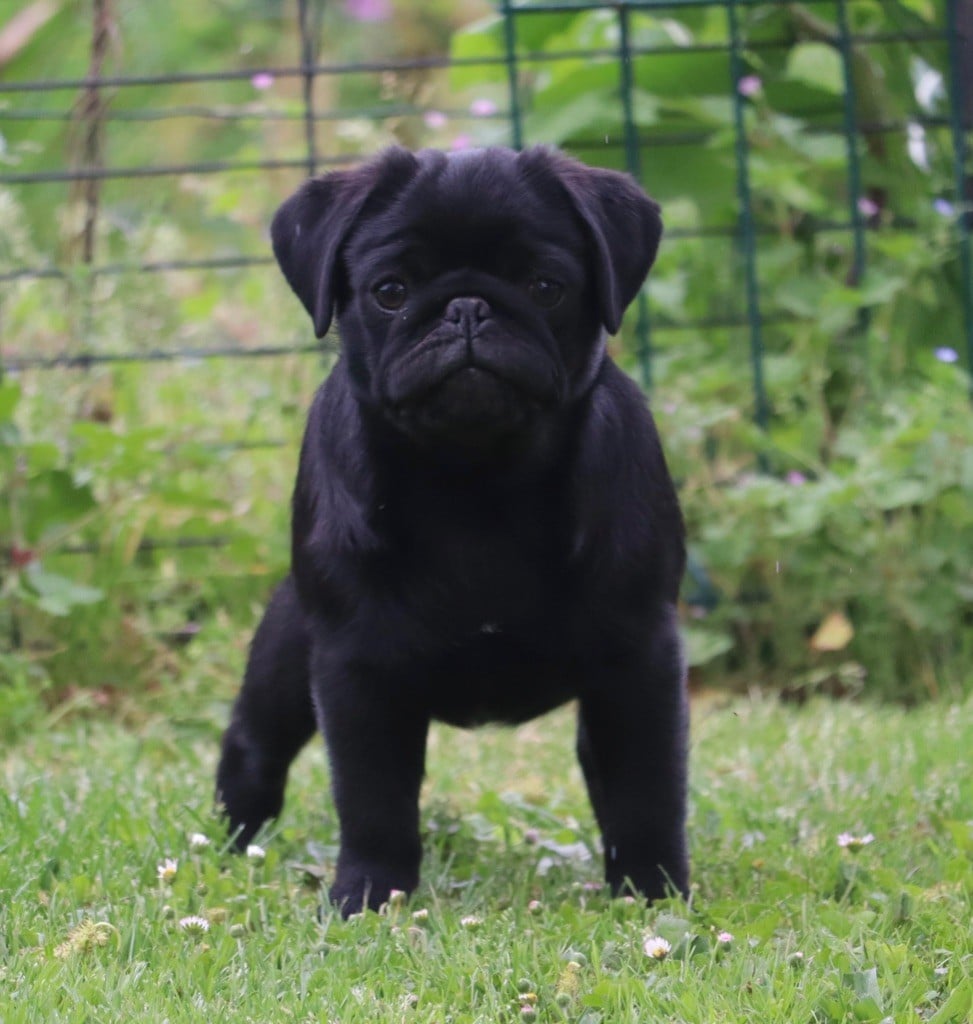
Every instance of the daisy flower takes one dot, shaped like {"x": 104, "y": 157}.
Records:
{"x": 167, "y": 869}
{"x": 194, "y": 924}
{"x": 656, "y": 947}
{"x": 854, "y": 843}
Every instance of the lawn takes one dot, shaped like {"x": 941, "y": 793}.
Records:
{"x": 785, "y": 924}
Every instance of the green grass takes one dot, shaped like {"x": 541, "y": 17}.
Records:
{"x": 90, "y": 806}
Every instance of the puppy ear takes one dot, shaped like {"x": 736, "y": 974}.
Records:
{"x": 310, "y": 228}
{"x": 625, "y": 227}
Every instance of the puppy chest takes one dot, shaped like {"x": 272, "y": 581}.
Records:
{"x": 478, "y": 584}
{"x": 494, "y": 677}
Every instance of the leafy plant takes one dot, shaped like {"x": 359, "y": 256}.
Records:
{"x": 853, "y": 504}
{"x": 140, "y": 501}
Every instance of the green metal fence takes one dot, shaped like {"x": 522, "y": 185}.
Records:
{"x": 902, "y": 166}
{"x": 954, "y": 28}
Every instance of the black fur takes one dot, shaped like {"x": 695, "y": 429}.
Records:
{"x": 483, "y": 524}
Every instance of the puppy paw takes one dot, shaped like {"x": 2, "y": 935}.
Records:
{"x": 367, "y": 887}
{"x": 657, "y": 883}
{"x": 249, "y": 790}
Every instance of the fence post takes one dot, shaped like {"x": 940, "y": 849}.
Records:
{"x": 959, "y": 27}
{"x": 747, "y": 236}
{"x": 90, "y": 121}
{"x": 513, "y": 86}
{"x": 633, "y": 163}
{"x": 308, "y": 62}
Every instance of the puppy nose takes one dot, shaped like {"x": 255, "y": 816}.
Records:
{"x": 468, "y": 313}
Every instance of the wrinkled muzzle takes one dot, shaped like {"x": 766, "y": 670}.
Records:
{"x": 474, "y": 370}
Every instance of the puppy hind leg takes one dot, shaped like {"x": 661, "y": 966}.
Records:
{"x": 589, "y": 770}
{"x": 272, "y": 719}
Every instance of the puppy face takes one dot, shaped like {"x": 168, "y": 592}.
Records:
{"x": 473, "y": 291}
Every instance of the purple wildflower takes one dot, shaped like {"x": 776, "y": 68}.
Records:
{"x": 435, "y": 119}
{"x": 368, "y": 10}
{"x": 868, "y": 207}
{"x": 750, "y": 85}
{"x": 483, "y": 108}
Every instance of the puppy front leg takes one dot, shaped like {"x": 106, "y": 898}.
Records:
{"x": 376, "y": 745}
{"x": 632, "y": 743}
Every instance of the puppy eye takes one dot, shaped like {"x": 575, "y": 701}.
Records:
{"x": 391, "y": 293}
{"x": 545, "y": 292}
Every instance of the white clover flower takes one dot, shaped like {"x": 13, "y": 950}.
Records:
{"x": 854, "y": 843}
{"x": 422, "y": 914}
{"x": 656, "y": 947}
{"x": 194, "y": 924}
{"x": 197, "y": 841}
{"x": 255, "y": 852}
{"x": 396, "y": 897}
{"x": 471, "y": 922}
{"x": 725, "y": 938}
{"x": 167, "y": 869}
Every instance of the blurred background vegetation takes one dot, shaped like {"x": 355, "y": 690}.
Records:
{"x": 805, "y": 337}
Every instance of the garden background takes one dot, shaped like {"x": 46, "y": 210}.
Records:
{"x": 805, "y": 336}
{"x": 806, "y": 340}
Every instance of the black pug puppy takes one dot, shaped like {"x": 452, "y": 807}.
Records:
{"x": 483, "y": 523}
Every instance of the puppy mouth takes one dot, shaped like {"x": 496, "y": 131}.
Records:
{"x": 467, "y": 376}
{"x": 469, "y": 400}
{"x": 475, "y": 375}
{"x": 493, "y": 363}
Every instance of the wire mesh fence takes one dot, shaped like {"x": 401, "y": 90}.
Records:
{"x": 785, "y": 142}
{"x": 97, "y": 99}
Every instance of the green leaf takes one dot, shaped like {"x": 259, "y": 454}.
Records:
{"x": 962, "y": 833}
{"x": 56, "y": 594}
{"x": 865, "y": 985}
{"x": 817, "y": 64}
{"x": 705, "y": 645}
{"x": 9, "y": 397}
{"x": 482, "y": 40}
{"x": 924, "y": 8}
{"x": 600, "y": 997}
{"x": 588, "y": 113}
{"x": 957, "y": 1005}
{"x": 893, "y": 493}
{"x": 55, "y": 499}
